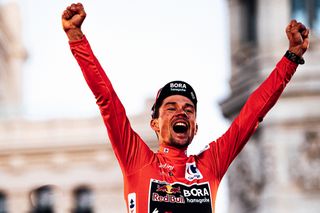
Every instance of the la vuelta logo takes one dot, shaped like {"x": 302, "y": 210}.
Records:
{"x": 192, "y": 172}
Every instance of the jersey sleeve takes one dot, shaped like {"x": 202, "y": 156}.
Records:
{"x": 228, "y": 146}
{"x": 130, "y": 150}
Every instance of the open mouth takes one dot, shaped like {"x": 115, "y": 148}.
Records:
{"x": 180, "y": 127}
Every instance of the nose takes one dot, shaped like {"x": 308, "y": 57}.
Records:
{"x": 182, "y": 112}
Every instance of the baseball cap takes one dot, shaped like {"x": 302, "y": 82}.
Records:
{"x": 173, "y": 88}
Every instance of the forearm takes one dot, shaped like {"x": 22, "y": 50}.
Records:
{"x": 74, "y": 34}
{"x": 267, "y": 94}
{"x": 125, "y": 142}
{"x": 253, "y": 112}
{"x": 94, "y": 74}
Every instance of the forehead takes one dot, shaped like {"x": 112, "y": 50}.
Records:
{"x": 177, "y": 99}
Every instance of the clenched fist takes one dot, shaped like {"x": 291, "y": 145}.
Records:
{"x": 72, "y": 18}
{"x": 298, "y": 36}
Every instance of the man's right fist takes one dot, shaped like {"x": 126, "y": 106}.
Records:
{"x": 72, "y": 18}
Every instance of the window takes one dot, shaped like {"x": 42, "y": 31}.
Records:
{"x": 3, "y": 203}
{"x": 43, "y": 200}
{"x": 83, "y": 200}
{"x": 307, "y": 12}
{"x": 248, "y": 21}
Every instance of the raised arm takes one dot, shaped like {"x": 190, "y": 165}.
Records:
{"x": 128, "y": 147}
{"x": 261, "y": 100}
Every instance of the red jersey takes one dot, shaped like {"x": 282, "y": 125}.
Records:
{"x": 169, "y": 181}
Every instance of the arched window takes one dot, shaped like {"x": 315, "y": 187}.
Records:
{"x": 3, "y": 203}
{"x": 43, "y": 200}
{"x": 83, "y": 200}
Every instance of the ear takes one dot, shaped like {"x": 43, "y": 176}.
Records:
{"x": 154, "y": 123}
{"x": 196, "y": 129}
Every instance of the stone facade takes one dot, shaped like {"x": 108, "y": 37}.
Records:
{"x": 64, "y": 155}
{"x": 278, "y": 170}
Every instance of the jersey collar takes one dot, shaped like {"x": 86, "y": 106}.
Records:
{"x": 172, "y": 151}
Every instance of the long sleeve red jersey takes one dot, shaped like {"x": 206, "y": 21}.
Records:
{"x": 169, "y": 181}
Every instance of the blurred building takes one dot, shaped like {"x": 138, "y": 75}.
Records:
{"x": 12, "y": 54}
{"x": 62, "y": 165}
{"x": 279, "y": 169}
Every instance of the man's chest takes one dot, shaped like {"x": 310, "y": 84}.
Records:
{"x": 172, "y": 187}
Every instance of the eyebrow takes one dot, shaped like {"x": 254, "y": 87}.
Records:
{"x": 173, "y": 103}
{"x": 190, "y": 105}
{"x": 170, "y": 103}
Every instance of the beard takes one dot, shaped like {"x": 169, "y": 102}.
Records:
{"x": 180, "y": 145}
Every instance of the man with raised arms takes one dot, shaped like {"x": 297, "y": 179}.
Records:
{"x": 169, "y": 181}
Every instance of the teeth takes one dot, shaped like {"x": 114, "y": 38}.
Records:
{"x": 180, "y": 124}
{"x": 180, "y": 127}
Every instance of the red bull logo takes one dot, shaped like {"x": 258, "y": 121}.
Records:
{"x": 167, "y": 198}
{"x": 168, "y": 189}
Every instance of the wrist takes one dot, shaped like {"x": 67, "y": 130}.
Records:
{"x": 74, "y": 34}
{"x": 294, "y": 57}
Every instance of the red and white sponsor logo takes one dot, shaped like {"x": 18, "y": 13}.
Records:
{"x": 167, "y": 198}
{"x": 168, "y": 189}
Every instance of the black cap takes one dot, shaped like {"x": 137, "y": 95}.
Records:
{"x": 173, "y": 88}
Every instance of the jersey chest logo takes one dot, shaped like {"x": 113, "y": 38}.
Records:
{"x": 192, "y": 172}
